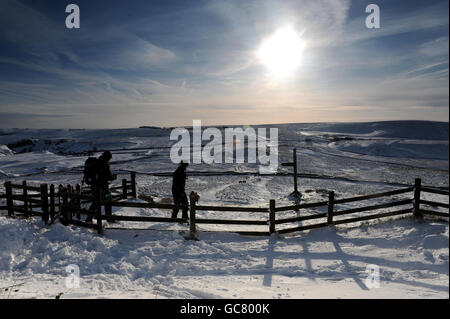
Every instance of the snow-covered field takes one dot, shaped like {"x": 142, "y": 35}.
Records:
{"x": 324, "y": 263}
{"x": 348, "y": 158}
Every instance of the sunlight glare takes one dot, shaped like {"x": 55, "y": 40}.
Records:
{"x": 281, "y": 52}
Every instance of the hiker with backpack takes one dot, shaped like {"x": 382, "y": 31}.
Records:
{"x": 97, "y": 174}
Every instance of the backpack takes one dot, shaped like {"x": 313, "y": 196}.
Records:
{"x": 90, "y": 171}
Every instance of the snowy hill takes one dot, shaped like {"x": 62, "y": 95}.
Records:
{"x": 348, "y": 158}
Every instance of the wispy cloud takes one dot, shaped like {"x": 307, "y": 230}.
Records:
{"x": 166, "y": 63}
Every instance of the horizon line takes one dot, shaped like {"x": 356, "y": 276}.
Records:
{"x": 221, "y": 125}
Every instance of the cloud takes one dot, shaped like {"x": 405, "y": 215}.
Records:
{"x": 113, "y": 48}
{"x": 435, "y": 48}
{"x": 11, "y": 116}
{"x": 107, "y": 46}
{"x": 30, "y": 120}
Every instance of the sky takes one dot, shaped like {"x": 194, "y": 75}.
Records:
{"x": 166, "y": 63}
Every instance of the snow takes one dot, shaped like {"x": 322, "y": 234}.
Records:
{"x": 322, "y": 263}
{"x": 152, "y": 260}
{"x": 393, "y": 148}
{"x": 4, "y": 150}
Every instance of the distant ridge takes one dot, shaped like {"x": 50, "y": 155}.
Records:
{"x": 152, "y": 127}
{"x": 423, "y": 130}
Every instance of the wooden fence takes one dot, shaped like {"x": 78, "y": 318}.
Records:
{"x": 70, "y": 200}
{"x": 330, "y": 217}
{"x": 63, "y": 203}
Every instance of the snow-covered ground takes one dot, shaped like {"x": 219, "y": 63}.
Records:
{"x": 323, "y": 263}
{"x": 348, "y": 158}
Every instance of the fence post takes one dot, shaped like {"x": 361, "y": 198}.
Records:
{"x": 133, "y": 184}
{"x": 124, "y": 188}
{"x": 25, "y": 199}
{"x": 330, "y": 208}
{"x": 99, "y": 211}
{"x": 9, "y": 199}
{"x": 192, "y": 214}
{"x": 272, "y": 217}
{"x": 60, "y": 191}
{"x": 52, "y": 203}
{"x": 70, "y": 203}
{"x": 108, "y": 207}
{"x": 417, "y": 187}
{"x": 63, "y": 207}
{"x": 44, "y": 202}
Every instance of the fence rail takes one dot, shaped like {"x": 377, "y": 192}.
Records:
{"x": 433, "y": 213}
{"x": 430, "y": 203}
{"x": 372, "y": 207}
{"x": 300, "y": 218}
{"x": 300, "y": 206}
{"x": 421, "y": 212}
{"x": 144, "y": 219}
{"x": 435, "y": 191}
{"x": 375, "y": 216}
{"x": 373, "y": 196}
{"x": 65, "y": 203}
{"x": 234, "y": 209}
{"x": 230, "y": 221}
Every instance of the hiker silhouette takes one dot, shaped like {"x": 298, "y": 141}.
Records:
{"x": 99, "y": 181}
{"x": 178, "y": 190}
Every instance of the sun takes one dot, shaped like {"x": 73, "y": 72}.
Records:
{"x": 281, "y": 52}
